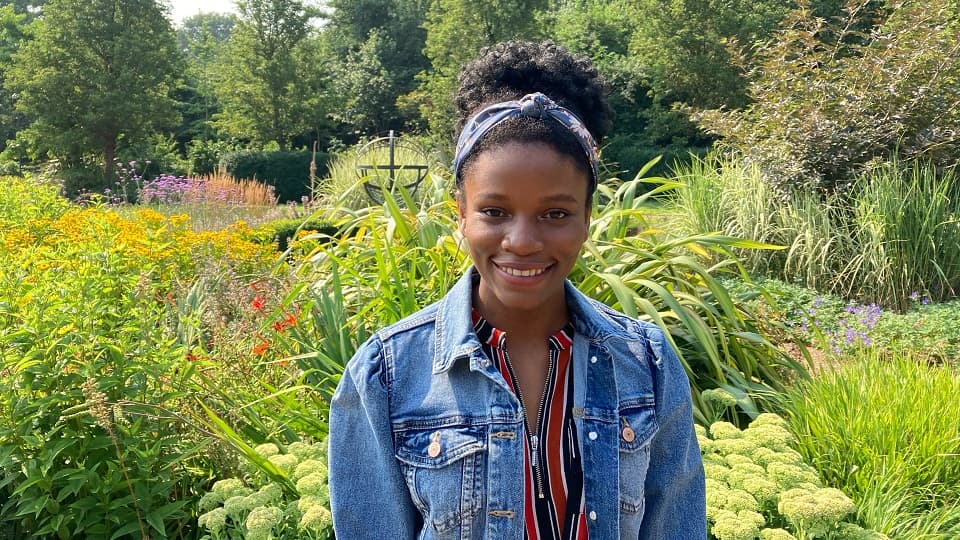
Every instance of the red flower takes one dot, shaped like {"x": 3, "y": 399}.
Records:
{"x": 259, "y": 302}
{"x": 261, "y": 348}
{"x": 192, "y": 357}
{"x": 280, "y": 326}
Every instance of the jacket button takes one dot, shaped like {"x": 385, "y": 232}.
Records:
{"x": 592, "y": 435}
{"x": 593, "y": 515}
{"x": 628, "y": 434}
{"x": 433, "y": 450}
{"x": 593, "y": 359}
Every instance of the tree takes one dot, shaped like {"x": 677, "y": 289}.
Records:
{"x": 829, "y": 101}
{"x": 98, "y": 70}
{"x": 12, "y": 33}
{"x": 382, "y": 40}
{"x": 203, "y": 39}
{"x": 270, "y": 82}
{"x": 363, "y": 88}
{"x": 456, "y": 31}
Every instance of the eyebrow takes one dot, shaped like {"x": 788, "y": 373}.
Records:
{"x": 558, "y": 197}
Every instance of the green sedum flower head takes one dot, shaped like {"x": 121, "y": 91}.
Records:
{"x": 725, "y": 430}
{"x": 285, "y": 462}
{"x": 267, "y": 449}
{"x": 776, "y": 534}
{"x": 309, "y": 466}
{"x": 743, "y": 525}
{"x": 815, "y": 511}
{"x": 264, "y": 518}
{"x": 215, "y": 521}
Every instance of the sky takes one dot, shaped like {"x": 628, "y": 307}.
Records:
{"x": 186, "y": 8}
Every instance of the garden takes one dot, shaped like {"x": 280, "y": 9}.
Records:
{"x": 175, "y": 316}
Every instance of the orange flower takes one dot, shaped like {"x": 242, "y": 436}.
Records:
{"x": 291, "y": 319}
{"x": 280, "y": 326}
{"x": 192, "y": 357}
{"x": 259, "y": 302}
{"x": 261, "y": 348}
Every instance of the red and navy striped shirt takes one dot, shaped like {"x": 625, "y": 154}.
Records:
{"x": 553, "y": 490}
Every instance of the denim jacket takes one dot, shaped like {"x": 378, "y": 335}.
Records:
{"x": 426, "y": 439}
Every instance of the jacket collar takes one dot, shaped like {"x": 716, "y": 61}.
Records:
{"x": 456, "y": 340}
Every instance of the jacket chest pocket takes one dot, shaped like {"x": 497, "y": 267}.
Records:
{"x": 445, "y": 469}
{"x": 638, "y": 425}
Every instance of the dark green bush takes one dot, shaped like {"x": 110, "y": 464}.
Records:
{"x": 829, "y": 101}
{"x": 288, "y": 172}
{"x": 281, "y": 231}
{"x": 82, "y": 180}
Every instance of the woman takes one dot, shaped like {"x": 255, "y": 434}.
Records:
{"x": 516, "y": 407}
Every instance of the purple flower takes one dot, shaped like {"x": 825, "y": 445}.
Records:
{"x": 914, "y": 296}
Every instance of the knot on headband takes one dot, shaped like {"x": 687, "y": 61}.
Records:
{"x": 534, "y": 105}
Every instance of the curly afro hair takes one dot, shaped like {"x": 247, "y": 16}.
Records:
{"x": 512, "y": 69}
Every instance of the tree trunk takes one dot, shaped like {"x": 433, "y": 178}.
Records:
{"x": 109, "y": 153}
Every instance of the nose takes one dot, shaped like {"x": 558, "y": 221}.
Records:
{"x": 522, "y": 238}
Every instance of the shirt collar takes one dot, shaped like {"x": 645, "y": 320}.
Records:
{"x": 456, "y": 340}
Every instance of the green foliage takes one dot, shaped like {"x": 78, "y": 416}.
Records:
{"x": 95, "y": 378}
{"x": 391, "y": 260}
{"x": 263, "y": 510}
{"x": 13, "y": 30}
{"x": 611, "y": 33}
{"x": 205, "y": 155}
{"x": 96, "y": 70}
{"x": 757, "y": 485}
{"x": 883, "y": 429}
{"x": 627, "y": 263}
{"x": 382, "y": 40}
{"x": 268, "y": 83}
{"x": 684, "y": 47}
{"x": 22, "y": 200}
{"x": 345, "y": 184}
{"x": 456, "y": 31}
{"x": 82, "y": 180}
{"x": 288, "y": 172}
{"x": 366, "y": 96}
{"x": 283, "y": 232}
{"x": 893, "y": 234}
{"x": 829, "y": 100}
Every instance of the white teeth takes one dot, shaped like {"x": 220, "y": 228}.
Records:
{"x": 522, "y": 273}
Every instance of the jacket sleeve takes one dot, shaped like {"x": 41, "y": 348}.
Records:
{"x": 675, "y": 507}
{"x": 368, "y": 495}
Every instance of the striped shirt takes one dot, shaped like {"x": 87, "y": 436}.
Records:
{"x": 553, "y": 489}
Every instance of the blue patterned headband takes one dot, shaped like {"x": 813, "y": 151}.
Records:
{"x": 534, "y": 105}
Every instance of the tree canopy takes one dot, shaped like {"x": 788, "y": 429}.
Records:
{"x": 96, "y": 71}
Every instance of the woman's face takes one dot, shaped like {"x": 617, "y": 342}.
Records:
{"x": 524, "y": 212}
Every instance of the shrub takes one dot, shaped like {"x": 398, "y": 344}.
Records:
{"x": 829, "y": 100}
{"x": 883, "y": 429}
{"x": 757, "y": 485}
{"x": 82, "y": 180}
{"x": 282, "y": 231}
{"x": 264, "y": 509}
{"x": 93, "y": 377}
{"x": 288, "y": 172}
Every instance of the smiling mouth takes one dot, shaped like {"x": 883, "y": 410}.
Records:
{"x": 516, "y": 272}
